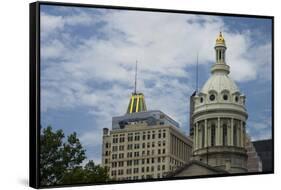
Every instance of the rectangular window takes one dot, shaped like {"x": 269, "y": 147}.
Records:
{"x": 213, "y": 135}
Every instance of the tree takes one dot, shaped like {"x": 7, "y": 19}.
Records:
{"x": 60, "y": 162}
{"x": 95, "y": 173}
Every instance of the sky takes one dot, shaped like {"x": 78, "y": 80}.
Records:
{"x": 88, "y": 58}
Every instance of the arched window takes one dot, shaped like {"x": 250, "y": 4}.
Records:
{"x": 224, "y": 134}
{"x": 201, "y": 100}
{"x": 213, "y": 135}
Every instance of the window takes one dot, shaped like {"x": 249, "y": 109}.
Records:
{"x": 129, "y": 171}
{"x": 121, "y": 155}
{"x": 136, "y": 154}
{"x": 153, "y": 144}
{"x": 159, "y": 151}
{"x": 201, "y": 100}
{"x": 130, "y": 137}
{"x": 225, "y": 97}
{"x": 143, "y": 137}
{"x": 147, "y": 169}
{"x": 120, "y": 172}
{"x": 114, "y": 164}
{"x": 147, "y": 160}
{"x": 130, "y": 146}
{"x": 129, "y": 162}
{"x": 235, "y": 135}
{"x": 164, "y": 151}
{"x": 158, "y": 167}
{"x": 224, "y": 133}
{"x": 159, "y": 135}
{"x": 213, "y": 135}
{"x": 107, "y": 145}
{"x": 137, "y": 146}
{"x": 136, "y": 170}
{"x": 114, "y": 148}
{"x": 129, "y": 154}
{"x": 148, "y": 145}
{"x": 203, "y": 135}
{"x": 159, "y": 159}
{"x": 143, "y": 161}
{"x": 152, "y": 160}
{"x": 114, "y": 156}
{"x": 163, "y": 167}
{"x": 121, "y": 147}
{"x": 121, "y": 139}
{"x": 153, "y": 136}
{"x": 236, "y": 98}
{"x": 113, "y": 173}
{"x": 212, "y": 97}
{"x": 142, "y": 169}
{"x": 136, "y": 162}
{"x": 120, "y": 164}
{"x": 164, "y": 135}
{"x": 137, "y": 138}
{"x": 115, "y": 140}
{"x": 143, "y": 145}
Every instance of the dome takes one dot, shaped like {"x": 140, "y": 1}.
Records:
{"x": 219, "y": 83}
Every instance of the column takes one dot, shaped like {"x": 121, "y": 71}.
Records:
{"x": 218, "y": 137}
{"x": 242, "y": 136}
{"x": 232, "y": 133}
{"x": 206, "y": 133}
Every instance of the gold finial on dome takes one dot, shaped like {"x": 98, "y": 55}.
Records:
{"x": 220, "y": 40}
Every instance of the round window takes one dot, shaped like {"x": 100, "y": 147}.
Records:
{"x": 212, "y": 97}
{"x": 225, "y": 97}
{"x": 236, "y": 98}
{"x": 201, "y": 100}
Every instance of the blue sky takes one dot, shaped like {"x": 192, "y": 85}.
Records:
{"x": 88, "y": 57}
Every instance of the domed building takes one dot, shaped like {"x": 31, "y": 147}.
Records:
{"x": 219, "y": 118}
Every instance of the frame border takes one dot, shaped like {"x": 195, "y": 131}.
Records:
{"x": 34, "y": 90}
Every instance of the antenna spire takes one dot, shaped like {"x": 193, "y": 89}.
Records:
{"x": 136, "y": 75}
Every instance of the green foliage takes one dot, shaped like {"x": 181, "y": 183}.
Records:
{"x": 60, "y": 162}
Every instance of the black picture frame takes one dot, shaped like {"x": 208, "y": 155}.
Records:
{"x": 34, "y": 90}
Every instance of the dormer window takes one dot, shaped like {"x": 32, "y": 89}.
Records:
{"x": 201, "y": 100}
